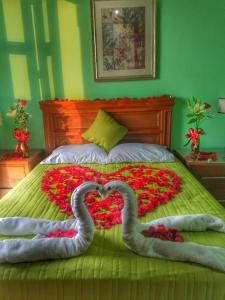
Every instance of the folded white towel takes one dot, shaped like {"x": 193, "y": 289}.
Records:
{"x": 42, "y": 247}
{"x": 152, "y": 247}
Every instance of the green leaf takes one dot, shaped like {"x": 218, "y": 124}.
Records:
{"x": 195, "y": 100}
{"x": 187, "y": 143}
{"x": 189, "y": 102}
{"x": 191, "y": 121}
{"x": 189, "y": 115}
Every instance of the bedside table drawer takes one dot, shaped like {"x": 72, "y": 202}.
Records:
{"x": 216, "y": 185}
{"x": 210, "y": 173}
{"x": 11, "y": 175}
{"x": 208, "y": 170}
{"x": 12, "y": 170}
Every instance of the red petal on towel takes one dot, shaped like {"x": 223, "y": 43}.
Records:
{"x": 62, "y": 233}
{"x": 163, "y": 233}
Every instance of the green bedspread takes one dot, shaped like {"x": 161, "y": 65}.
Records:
{"x": 108, "y": 270}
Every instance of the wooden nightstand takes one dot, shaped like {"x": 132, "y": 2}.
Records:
{"x": 13, "y": 170}
{"x": 210, "y": 173}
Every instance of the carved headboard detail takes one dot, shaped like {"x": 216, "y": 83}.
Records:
{"x": 148, "y": 119}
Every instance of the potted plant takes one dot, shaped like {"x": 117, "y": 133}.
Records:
{"x": 198, "y": 111}
{"x": 21, "y": 132}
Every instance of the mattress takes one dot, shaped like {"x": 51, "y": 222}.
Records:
{"x": 108, "y": 270}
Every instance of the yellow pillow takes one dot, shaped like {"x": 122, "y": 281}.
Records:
{"x": 105, "y": 131}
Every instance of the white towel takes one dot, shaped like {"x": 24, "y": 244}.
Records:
{"x": 42, "y": 247}
{"x": 153, "y": 247}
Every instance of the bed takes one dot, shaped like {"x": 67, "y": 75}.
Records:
{"x": 108, "y": 270}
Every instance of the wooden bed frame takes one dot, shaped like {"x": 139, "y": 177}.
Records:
{"x": 148, "y": 119}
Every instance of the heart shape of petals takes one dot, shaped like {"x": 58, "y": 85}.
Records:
{"x": 152, "y": 186}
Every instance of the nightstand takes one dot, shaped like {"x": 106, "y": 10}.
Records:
{"x": 12, "y": 170}
{"x": 210, "y": 173}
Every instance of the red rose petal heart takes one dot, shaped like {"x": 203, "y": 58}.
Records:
{"x": 152, "y": 186}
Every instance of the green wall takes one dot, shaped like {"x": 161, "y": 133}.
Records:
{"x": 46, "y": 52}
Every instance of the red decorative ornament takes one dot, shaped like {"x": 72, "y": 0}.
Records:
{"x": 152, "y": 186}
{"x": 22, "y": 137}
{"x": 203, "y": 155}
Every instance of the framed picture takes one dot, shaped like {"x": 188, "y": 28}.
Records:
{"x": 123, "y": 39}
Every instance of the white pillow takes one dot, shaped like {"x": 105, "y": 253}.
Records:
{"x": 85, "y": 153}
{"x": 139, "y": 152}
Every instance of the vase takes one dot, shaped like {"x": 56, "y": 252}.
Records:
{"x": 195, "y": 148}
{"x": 22, "y": 149}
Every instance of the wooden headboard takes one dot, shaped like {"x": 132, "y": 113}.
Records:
{"x": 148, "y": 119}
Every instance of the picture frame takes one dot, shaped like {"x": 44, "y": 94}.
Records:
{"x": 123, "y": 39}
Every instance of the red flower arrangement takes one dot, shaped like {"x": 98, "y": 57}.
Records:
{"x": 198, "y": 111}
{"x": 21, "y": 132}
{"x": 152, "y": 186}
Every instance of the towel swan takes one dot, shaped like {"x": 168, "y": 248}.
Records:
{"x": 42, "y": 247}
{"x": 152, "y": 247}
